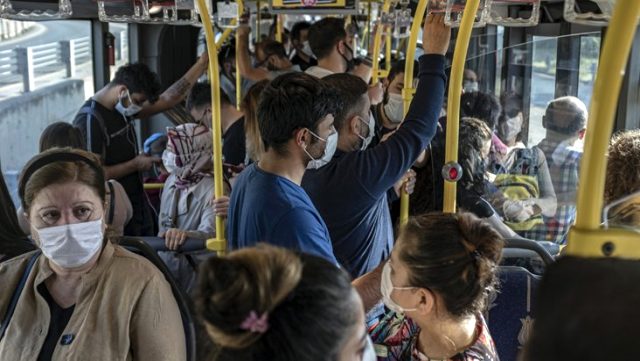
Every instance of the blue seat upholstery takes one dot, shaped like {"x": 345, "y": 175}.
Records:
{"x": 510, "y": 313}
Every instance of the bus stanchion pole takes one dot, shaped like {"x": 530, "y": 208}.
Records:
{"x": 587, "y": 238}
{"x": 238, "y": 76}
{"x": 375, "y": 71}
{"x": 453, "y": 103}
{"x": 409, "y": 90}
{"x": 218, "y": 244}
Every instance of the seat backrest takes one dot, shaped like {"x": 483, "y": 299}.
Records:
{"x": 139, "y": 246}
{"x": 510, "y": 313}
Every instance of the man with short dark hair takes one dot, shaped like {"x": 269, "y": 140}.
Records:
{"x": 106, "y": 121}
{"x": 295, "y": 117}
{"x": 350, "y": 191}
{"x": 566, "y": 122}
{"x": 303, "y": 56}
{"x": 328, "y": 41}
{"x": 232, "y": 121}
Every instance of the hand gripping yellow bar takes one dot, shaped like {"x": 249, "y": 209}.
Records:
{"x": 218, "y": 244}
{"x": 586, "y": 237}
{"x": 453, "y": 103}
{"x": 408, "y": 90}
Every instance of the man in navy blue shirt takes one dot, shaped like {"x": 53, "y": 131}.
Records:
{"x": 350, "y": 192}
{"x": 295, "y": 117}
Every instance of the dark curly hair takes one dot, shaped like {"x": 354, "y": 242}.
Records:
{"x": 623, "y": 168}
{"x": 138, "y": 78}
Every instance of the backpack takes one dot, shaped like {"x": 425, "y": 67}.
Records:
{"x": 91, "y": 111}
{"x": 520, "y": 182}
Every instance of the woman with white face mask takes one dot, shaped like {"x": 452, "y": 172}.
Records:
{"x": 80, "y": 296}
{"x": 435, "y": 286}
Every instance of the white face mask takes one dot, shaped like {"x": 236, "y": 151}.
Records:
{"x": 372, "y": 130}
{"x": 386, "y": 287}
{"x": 131, "y": 111}
{"x": 71, "y": 245}
{"x": 511, "y": 128}
{"x": 329, "y": 151}
{"x": 394, "y": 109}
{"x": 470, "y": 86}
{"x": 169, "y": 161}
{"x": 306, "y": 48}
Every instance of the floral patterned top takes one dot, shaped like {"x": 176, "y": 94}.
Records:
{"x": 395, "y": 339}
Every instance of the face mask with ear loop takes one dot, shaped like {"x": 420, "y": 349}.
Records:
{"x": 306, "y": 48}
{"x": 394, "y": 109}
{"x": 329, "y": 150}
{"x": 71, "y": 245}
{"x": 129, "y": 111}
{"x": 371, "y": 124}
{"x": 351, "y": 63}
{"x": 387, "y": 287}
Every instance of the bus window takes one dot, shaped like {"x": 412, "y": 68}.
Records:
{"x": 121, "y": 33}
{"x": 589, "y": 54}
{"x": 46, "y": 72}
{"x": 543, "y": 80}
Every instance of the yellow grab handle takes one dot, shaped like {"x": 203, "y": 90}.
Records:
{"x": 585, "y": 237}
{"x": 408, "y": 91}
{"x": 375, "y": 71}
{"x": 238, "y": 76}
{"x": 453, "y": 104}
{"x": 152, "y": 186}
{"x": 279, "y": 28}
{"x": 218, "y": 244}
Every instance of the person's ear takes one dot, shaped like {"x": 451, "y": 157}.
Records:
{"x": 582, "y": 133}
{"x": 354, "y": 124}
{"x": 302, "y": 137}
{"x": 427, "y": 301}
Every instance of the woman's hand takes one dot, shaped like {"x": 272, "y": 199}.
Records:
{"x": 174, "y": 238}
{"x": 221, "y": 206}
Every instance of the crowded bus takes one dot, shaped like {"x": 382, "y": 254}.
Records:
{"x": 319, "y": 180}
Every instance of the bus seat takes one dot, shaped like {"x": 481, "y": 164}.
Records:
{"x": 190, "y": 245}
{"x": 531, "y": 255}
{"x": 510, "y": 316}
{"x": 139, "y": 246}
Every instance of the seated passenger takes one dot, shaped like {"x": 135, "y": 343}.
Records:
{"x": 486, "y": 107}
{"x": 13, "y": 241}
{"x": 436, "y": 287}
{"x": 155, "y": 146}
{"x": 525, "y": 191}
{"x": 231, "y": 120}
{"x": 118, "y": 206}
{"x": 565, "y": 121}
{"x": 266, "y": 303}
{"x": 622, "y": 181}
{"x": 272, "y": 59}
{"x": 84, "y": 297}
{"x": 303, "y": 56}
{"x": 350, "y": 189}
{"x": 255, "y": 144}
{"x": 390, "y": 112}
{"x": 295, "y": 117}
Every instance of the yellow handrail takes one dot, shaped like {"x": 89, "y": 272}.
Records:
{"x": 238, "y": 76}
{"x": 408, "y": 90}
{"x": 453, "y": 104}
{"x": 218, "y": 244}
{"x": 375, "y": 71}
{"x": 152, "y": 186}
{"x": 279, "y": 28}
{"x": 586, "y": 238}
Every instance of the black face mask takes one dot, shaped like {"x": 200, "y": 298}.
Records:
{"x": 351, "y": 63}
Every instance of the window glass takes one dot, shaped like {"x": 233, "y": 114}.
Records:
{"x": 543, "y": 83}
{"x": 46, "y": 73}
{"x": 121, "y": 33}
{"x": 589, "y": 56}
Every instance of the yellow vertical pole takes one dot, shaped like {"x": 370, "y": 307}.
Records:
{"x": 584, "y": 238}
{"x": 258, "y": 20}
{"x": 219, "y": 243}
{"x": 408, "y": 90}
{"x": 453, "y": 105}
{"x": 238, "y": 76}
{"x": 387, "y": 55}
{"x": 279, "y": 28}
{"x": 376, "y": 44}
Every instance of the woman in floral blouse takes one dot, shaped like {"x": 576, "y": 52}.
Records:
{"x": 434, "y": 287}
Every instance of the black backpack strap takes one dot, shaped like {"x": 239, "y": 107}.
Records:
{"x": 90, "y": 111}
{"x": 16, "y": 294}
{"x": 112, "y": 198}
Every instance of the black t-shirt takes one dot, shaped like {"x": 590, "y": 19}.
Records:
{"x": 59, "y": 319}
{"x": 297, "y": 60}
{"x": 234, "y": 146}
{"x": 381, "y": 130}
{"x": 113, "y": 139}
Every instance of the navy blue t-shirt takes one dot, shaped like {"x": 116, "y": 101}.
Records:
{"x": 351, "y": 191}
{"x": 265, "y": 207}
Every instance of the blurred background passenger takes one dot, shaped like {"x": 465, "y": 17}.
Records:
{"x": 254, "y": 143}
{"x": 436, "y": 286}
{"x": 83, "y": 295}
{"x": 267, "y": 303}
{"x": 13, "y": 241}
{"x": 623, "y": 179}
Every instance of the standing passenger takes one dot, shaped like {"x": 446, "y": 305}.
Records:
{"x": 351, "y": 190}
{"x": 106, "y": 122}
{"x": 295, "y": 116}
{"x": 565, "y": 120}
{"x": 300, "y": 40}
{"x": 274, "y": 59}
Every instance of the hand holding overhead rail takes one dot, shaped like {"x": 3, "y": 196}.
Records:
{"x": 456, "y": 9}
{"x": 453, "y": 105}
{"x": 218, "y": 244}
{"x": 586, "y": 237}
